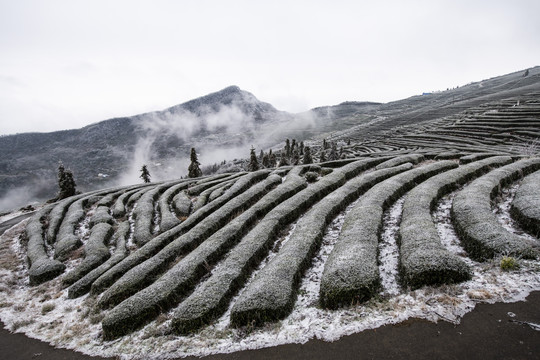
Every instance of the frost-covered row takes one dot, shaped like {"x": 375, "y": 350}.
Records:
{"x": 42, "y": 268}
{"x": 182, "y": 277}
{"x": 474, "y": 157}
{"x": 83, "y": 285}
{"x": 272, "y": 293}
{"x": 157, "y": 243}
{"x": 143, "y": 214}
{"x": 95, "y": 253}
{"x": 168, "y": 218}
{"x": 424, "y": 260}
{"x": 67, "y": 240}
{"x": 57, "y": 215}
{"x": 200, "y": 187}
{"x": 101, "y": 214}
{"x": 204, "y": 197}
{"x": 398, "y": 160}
{"x": 119, "y": 206}
{"x": 181, "y": 204}
{"x": 211, "y": 298}
{"x": 526, "y": 205}
{"x": 143, "y": 274}
{"x": 475, "y": 222}
{"x": 351, "y": 273}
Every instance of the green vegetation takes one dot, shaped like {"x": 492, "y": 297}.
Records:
{"x": 509, "y": 263}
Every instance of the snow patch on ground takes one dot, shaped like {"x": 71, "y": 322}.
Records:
{"x": 389, "y": 250}
{"x": 449, "y": 238}
{"x": 130, "y": 244}
{"x": 156, "y": 219}
{"x": 502, "y": 210}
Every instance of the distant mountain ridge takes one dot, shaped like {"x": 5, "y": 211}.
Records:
{"x": 106, "y": 148}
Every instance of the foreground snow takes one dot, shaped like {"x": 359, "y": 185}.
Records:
{"x": 44, "y": 312}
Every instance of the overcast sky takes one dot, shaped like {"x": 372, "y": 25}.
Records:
{"x": 69, "y": 63}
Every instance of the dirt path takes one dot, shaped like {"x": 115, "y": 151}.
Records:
{"x": 489, "y": 332}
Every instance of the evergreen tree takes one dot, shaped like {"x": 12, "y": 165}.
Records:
{"x": 333, "y": 153}
{"x": 301, "y": 148}
{"x": 293, "y": 145}
{"x": 194, "y": 170}
{"x": 324, "y": 144}
{"x": 307, "y": 156}
{"x": 284, "y": 160}
{"x": 323, "y": 156}
{"x": 287, "y": 149}
{"x": 145, "y": 174}
{"x": 266, "y": 161}
{"x": 348, "y": 141}
{"x": 66, "y": 183}
{"x": 295, "y": 159}
{"x": 261, "y": 155}
{"x": 253, "y": 162}
{"x": 272, "y": 162}
{"x": 341, "y": 151}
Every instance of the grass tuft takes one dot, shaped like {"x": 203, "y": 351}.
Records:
{"x": 509, "y": 263}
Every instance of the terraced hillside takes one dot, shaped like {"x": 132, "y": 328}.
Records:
{"x": 415, "y": 221}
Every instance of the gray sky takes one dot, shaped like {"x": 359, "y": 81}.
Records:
{"x": 69, "y": 63}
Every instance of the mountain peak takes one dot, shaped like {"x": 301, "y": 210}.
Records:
{"x": 231, "y": 89}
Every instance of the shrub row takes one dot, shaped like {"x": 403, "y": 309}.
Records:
{"x": 211, "y": 298}
{"x": 158, "y": 242}
{"x": 204, "y": 196}
{"x": 42, "y": 268}
{"x": 197, "y": 189}
{"x": 119, "y": 207}
{"x": 181, "y": 204}
{"x": 95, "y": 253}
{"x": 67, "y": 241}
{"x": 272, "y": 293}
{"x": 398, "y": 160}
{"x": 475, "y": 157}
{"x": 144, "y": 215}
{"x": 526, "y": 205}
{"x": 424, "y": 260}
{"x": 477, "y": 225}
{"x": 83, "y": 285}
{"x": 351, "y": 272}
{"x": 57, "y": 215}
{"x": 101, "y": 215}
{"x": 168, "y": 218}
{"x": 144, "y": 273}
{"x": 183, "y": 276}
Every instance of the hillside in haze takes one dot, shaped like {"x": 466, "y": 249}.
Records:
{"x": 221, "y": 126}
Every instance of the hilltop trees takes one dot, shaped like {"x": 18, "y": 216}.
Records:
{"x": 145, "y": 174}
{"x": 193, "y": 169}
{"x": 66, "y": 183}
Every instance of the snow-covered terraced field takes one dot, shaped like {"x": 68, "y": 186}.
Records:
{"x": 413, "y": 225}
